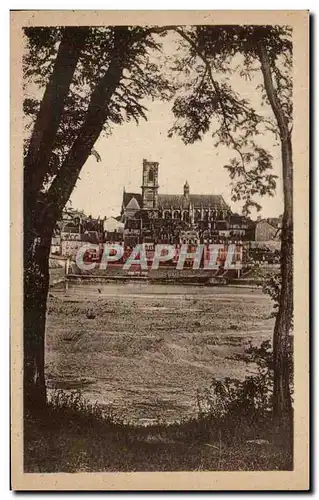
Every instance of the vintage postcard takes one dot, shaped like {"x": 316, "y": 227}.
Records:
{"x": 159, "y": 268}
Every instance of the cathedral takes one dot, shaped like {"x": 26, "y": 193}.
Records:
{"x": 175, "y": 218}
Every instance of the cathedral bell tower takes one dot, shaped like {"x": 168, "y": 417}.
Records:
{"x": 150, "y": 184}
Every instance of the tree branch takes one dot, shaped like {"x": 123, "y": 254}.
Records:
{"x": 96, "y": 116}
{"x": 271, "y": 92}
{"x": 217, "y": 91}
{"x": 51, "y": 108}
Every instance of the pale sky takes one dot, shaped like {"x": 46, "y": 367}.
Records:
{"x": 99, "y": 190}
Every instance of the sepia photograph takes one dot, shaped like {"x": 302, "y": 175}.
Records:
{"x": 160, "y": 198}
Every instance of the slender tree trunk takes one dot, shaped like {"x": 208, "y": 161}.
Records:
{"x": 282, "y": 405}
{"x": 282, "y": 399}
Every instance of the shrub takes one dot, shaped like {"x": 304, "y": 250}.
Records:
{"x": 251, "y": 397}
{"x": 272, "y": 287}
{"x": 69, "y": 407}
{"x": 243, "y": 408}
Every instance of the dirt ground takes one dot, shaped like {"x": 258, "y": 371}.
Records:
{"x": 148, "y": 350}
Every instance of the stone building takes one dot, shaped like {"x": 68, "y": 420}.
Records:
{"x": 265, "y": 229}
{"x": 75, "y": 229}
{"x": 113, "y": 230}
{"x": 150, "y": 216}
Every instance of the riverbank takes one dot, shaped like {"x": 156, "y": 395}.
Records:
{"x": 145, "y": 350}
{"x": 192, "y": 280}
{"x": 168, "y": 275}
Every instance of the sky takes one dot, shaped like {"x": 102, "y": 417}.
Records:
{"x": 99, "y": 190}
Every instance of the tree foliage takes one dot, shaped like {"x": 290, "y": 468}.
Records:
{"x": 141, "y": 78}
{"x": 217, "y": 56}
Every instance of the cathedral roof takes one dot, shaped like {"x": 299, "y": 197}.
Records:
{"x": 177, "y": 201}
{"x": 127, "y": 197}
{"x": 133, "y": 204}
{"x": 197, "y": 200}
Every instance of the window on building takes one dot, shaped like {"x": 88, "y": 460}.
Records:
{"x": 151, "y": 175}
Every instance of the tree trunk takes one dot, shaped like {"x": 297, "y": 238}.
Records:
{"x": 51, "y": 108}
{"x": 36, "y": 285}
{"x": 96, "y": 116}
{"x": 282, "y": 405}
{"x": 42, "y": 211}
{"x": 282, "y": 366}
{"x": 37, "y": 232}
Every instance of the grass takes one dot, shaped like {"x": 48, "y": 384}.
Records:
{"x": 73, "y": 436}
